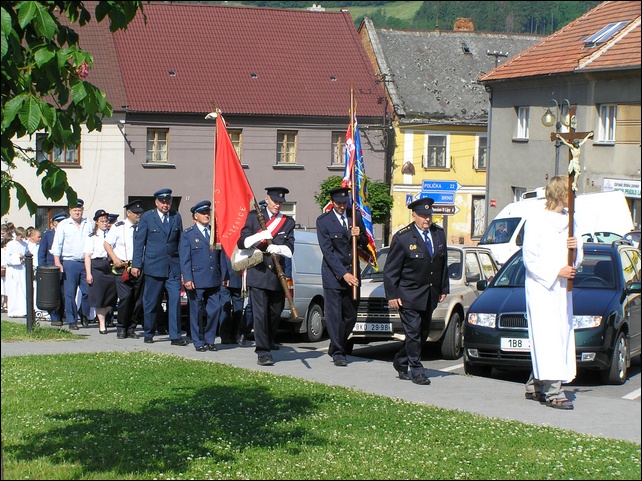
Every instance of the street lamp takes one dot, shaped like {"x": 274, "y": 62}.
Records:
{"x": 561, "y": 118}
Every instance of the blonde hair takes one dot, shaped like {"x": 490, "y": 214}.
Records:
{"x": 556, "y": 191}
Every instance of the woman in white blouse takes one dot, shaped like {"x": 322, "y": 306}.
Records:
{"x": 15, "y": 278}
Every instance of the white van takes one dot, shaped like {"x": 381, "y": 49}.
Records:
{"x": 602, "y": 212}
{"x": 304, "y": 279}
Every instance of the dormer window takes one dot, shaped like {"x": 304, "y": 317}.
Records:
{"x": 604, "y": 34}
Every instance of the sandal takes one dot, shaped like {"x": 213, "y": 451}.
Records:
{"x": 534, "y": 396}
{"x": 560, "y": 404}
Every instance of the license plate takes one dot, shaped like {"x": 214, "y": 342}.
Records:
{"x": 516, "y": 344}
{"x": 373, "y": 327}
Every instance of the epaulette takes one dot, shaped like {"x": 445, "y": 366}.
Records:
{"x": 120, "y": 222}
{"x": 325, "y": 213}
{"x": 92, "y": 234}
{"x": 403, "y": 230}
{"x": 437, "y": 226}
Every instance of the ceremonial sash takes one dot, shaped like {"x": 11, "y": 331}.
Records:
{"x": 273, "y": 226}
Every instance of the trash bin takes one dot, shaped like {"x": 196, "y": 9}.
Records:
{"x": 48, "y": 288}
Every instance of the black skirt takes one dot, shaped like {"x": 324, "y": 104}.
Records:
{"x": 102, "y": 293}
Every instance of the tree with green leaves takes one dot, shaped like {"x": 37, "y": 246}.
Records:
{"x": 44, "y": 87}
{"x": 379, "y": 193}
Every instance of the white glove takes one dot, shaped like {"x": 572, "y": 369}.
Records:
{"x": 256, "y": 238}
{"x": 279, "y": 250}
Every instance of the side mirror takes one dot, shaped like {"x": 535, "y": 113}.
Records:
{"x": 482, "y": 285}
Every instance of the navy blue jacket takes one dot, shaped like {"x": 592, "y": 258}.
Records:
{"x": 336, "y": 245}
{"x": 156, "y": 250}
{"x": 45, "y": 258}
{"x": 199, "y": 264}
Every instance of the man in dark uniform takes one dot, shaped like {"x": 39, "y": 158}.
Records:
{"x": 119, "y": 244}
{"x": 45, "y": 258}
{"x": 201, "y": 270}
{"x": 416, "y": 280}
{"x": 156, "y": 252}
{"x": 266, "y": 293}
{"x": 335, "y": 230}
{"x": 109, "y": 317}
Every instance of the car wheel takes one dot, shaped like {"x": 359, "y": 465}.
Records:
{"x": 473, "y": 370}
{"x": 314, "y": 331}
{"x": 452, "y": 340}
{"x": 618, "y": 370}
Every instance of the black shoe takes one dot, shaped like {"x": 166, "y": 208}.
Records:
{"x": 179, "y": 342}
{"x": 240, "y": 339}
{"x": 131, "y": 333}
{"x": 162, "y": 332}
{"x": 341, "y": 362}
{"x": 121, "y": 334}
{"x": 202, "y": 348}
{"x": 102, "y": 332}
{"x": 265, "y": 361}
{"x": 73, "y": 326}
{"x": 149, "y": 340}
{"x": 84, "y": 321}
{"x": 421, "y": 379}
{"x": 275, "y": 346}
{"x": 56, "y": 323}
{"x": 403, "y": 373}
{"x": 211, "y": 347}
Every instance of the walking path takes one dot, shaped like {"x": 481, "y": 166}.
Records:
{"x": 593, "y": 414}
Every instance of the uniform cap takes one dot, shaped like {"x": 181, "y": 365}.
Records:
{"x": 113, "y": 217}
{"x": 135, "y": 206}
{"x": 100, "y": 213}
{"x": 340, "y": 194}
{"x": 277, "y": 194}
{"x": 422, "y": 206}
{"x": 60, "y": 216}
{"x": 79, "y": 203}
{"x": 202, "y": 206}
{"x": 163, "y": 194}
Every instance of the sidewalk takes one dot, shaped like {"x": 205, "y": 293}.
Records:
{"x": 608, "y": 417}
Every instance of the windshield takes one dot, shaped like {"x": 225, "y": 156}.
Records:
{"x": 500, "y": 231}
{"x": 454, "y": 265}
{"x": 596, "y": 271}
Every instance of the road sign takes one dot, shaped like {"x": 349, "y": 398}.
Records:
{"x": 439, "y": 197}
{"x": 409, "y": 198}
{"x": 445, "y": 209}
{"x": 440, "y": 185}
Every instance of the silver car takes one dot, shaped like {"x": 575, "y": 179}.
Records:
{"x": 377, "y": 322}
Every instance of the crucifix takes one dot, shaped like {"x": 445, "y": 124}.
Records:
{"x": 574, "y": 141}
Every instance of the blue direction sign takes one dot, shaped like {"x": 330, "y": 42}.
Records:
{"x": 440, "y": 185}
{"x": 439, "y": 197}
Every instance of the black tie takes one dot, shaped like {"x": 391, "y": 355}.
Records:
{"x": 165, "y": 221}
{"x": 428, "y": 243}
{"x": 343, "y": 221}
{"x": 206, "y": 231}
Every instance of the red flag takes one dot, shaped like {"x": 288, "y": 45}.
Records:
{"x": 232, "y": 191}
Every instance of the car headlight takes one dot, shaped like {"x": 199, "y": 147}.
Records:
{"x": 586, "y": 322}
{"x": 481, "y": 319}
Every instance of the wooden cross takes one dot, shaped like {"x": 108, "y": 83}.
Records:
{"x": 574, "y": 141}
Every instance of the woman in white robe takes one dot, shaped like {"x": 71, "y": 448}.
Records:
{"x": 15, "y": 279}
{"x": 549, "y": 305}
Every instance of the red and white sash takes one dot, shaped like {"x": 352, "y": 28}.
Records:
{"x": 273, "y": 226}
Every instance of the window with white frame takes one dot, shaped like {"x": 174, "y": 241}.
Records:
{"x": 235, "y": 137}
{"x": 157, "y": 140}
{"x": 338, "y": 149}
{"x": 517, "y": 193}
{"x": 523, "y": 114}
{"x": 435, "y": 157}
{"x": 286, "y": 147}
{"x": 606, "y": 127}
{"x": 58, "y": 156}
{"x": 481, "y": 160}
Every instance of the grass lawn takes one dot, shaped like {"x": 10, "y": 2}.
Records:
{"x": 13, "y": 331}
{"x": 151, "y": 416}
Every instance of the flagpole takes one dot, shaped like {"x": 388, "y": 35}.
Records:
{"x": 213, "y": 216}
{"x": 355, "y": 255}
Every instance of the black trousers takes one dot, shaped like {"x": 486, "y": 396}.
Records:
{"x": 129, "y": 294}
{"x": 340, "y": 318}
{"x": 266, "y": 311}
{"x": 416, "y": 325}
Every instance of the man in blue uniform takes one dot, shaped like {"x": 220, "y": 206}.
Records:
{"x": 156, "y": 253}
{"x": 201, "y": 270}
{"x": 266, "y": 293}
{"x": 335, "y": 230}
{"x": 416, "y": 280}
{"x": 45, "y": 258}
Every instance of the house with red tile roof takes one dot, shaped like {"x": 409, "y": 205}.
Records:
{"x": 587, "y": 75}
{"x": 281, "y": 78}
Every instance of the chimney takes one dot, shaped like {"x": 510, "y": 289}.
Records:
{"x": 464, "y": 24}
